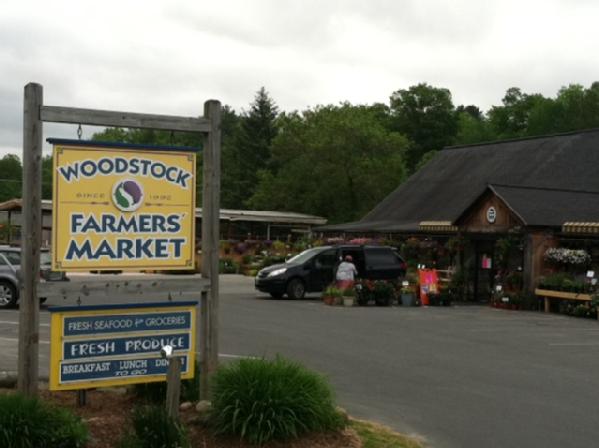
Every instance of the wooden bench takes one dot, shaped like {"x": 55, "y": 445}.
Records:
{"x": 549, "y": 294}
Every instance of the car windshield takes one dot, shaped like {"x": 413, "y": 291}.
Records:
{"x": 13, "y": 257}
{"x": 305, "y": 255}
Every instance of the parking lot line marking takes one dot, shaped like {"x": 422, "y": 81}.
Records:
{"x": 17, "y": 323}
{"x": 574, "y": 344}
{"x": 16, "y": 340}
{"x": 226, "y": 355}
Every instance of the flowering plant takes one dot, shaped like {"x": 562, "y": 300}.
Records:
{"x": 360, "y": 241}
{"x": 567, "y": 256}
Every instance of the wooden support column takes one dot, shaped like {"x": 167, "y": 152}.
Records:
{"x": 210, "y": 245}
{"x": 9, "y": 226}
{"x": 30, "y": 240}
{"x": 173, "y": 387}
{"x": 204, "y": 335}
{"x": 535, "y": 245}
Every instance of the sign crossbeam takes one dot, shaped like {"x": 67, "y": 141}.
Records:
{"x": 122, "y": 287}
{"x": 94, "y": 117}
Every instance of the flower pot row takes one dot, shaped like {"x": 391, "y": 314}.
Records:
{"x": 338, "y": 300}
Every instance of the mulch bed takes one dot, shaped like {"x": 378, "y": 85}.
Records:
{"x": 107, "y": 414}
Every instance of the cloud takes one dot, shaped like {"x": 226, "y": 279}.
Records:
{"x": 170, "y": 56}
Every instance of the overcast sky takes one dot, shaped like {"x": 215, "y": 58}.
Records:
{"x": 170, "y": 56}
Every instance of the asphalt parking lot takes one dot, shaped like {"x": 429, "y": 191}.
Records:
{"x": 463, "y": 376}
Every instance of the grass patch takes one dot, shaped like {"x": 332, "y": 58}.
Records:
{"x": 378, "y": 436}
{"x": 31, "y": 423}
{"x": 153, "y": 428}
{"x": 261, "y": 400}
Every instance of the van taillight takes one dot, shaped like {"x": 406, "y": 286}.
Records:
{"x": 403, "y": 266}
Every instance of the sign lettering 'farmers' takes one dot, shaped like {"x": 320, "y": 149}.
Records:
{"x": 122, "y": 207}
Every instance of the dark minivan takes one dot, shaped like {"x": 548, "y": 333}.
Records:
{"x": 314, "y": 269}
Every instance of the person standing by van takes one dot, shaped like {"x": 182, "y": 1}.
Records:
{"x": 346, "y": 273}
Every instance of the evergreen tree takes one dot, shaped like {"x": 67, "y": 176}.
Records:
{"x": 251, "y": 149}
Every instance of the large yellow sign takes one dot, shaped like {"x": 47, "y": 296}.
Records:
{"x": 122, "y": 207}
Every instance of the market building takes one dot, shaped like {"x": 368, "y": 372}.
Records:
{"x": 498, "y": 207}
{"x": 234, "y": 224}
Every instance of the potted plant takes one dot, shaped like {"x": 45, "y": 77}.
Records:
{"x": 349, "y": 296}
{"x": 445, "y": 296}
{"x": 383, "y": 293}
{"x": 434, "y": 299}
{"x": 364, "y": 291}
{"x": 407, "y": 294}
{"x": 332, "y": 295}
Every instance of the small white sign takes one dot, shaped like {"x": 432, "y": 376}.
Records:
{"x": 491, "y": 215}
{"x": 590, "y": 274}
{"x": 505, "y": 299}
{"x": 498, "y": 288}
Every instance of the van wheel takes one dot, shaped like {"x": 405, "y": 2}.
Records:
{"x": 8, "y": 294}
{"x": 296, "y": 289}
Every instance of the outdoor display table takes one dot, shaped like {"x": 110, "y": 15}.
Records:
{"x": 549, "y": 294}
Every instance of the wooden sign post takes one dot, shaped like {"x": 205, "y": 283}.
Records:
{"x": 31, "y": 240}
{"x": 35, "y": 113}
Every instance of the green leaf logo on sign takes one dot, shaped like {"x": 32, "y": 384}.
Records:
{"x": 127, "y": 195}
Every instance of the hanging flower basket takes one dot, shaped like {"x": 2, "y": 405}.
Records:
{"x": 561, "y": 255}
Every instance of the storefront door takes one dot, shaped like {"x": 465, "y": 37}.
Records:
{"x": 484, "y": 269}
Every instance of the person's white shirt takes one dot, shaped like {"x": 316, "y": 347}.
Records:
{"x": 346, "y": 271}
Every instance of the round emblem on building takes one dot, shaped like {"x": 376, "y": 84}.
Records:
{"x": 491, "y": 215}
{"x": 127, "y": 195}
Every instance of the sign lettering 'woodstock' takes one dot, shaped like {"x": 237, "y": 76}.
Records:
{"x": 118, "y": 207}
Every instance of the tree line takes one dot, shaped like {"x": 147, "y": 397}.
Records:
{"x": 339, "y": 161}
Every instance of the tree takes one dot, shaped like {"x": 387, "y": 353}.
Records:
{"x": 472, "y": 126}
{"x": 47, "y": 169}
{"x": 578, "y": 108}
{"x": 425, "y": 115}
{"x": 230, "y": 166}
{"x": 513, "y": 118}
{"x": 332, "y": 161}
{"x": 250, "y": 149}
{"x": 11, "y": 174}
{"x": 522, "y": 114}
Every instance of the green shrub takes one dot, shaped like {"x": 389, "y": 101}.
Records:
{"x": 153, "y": 428}
{"x": 279, "y": 247}
{"x": 156, "y": 392}
{"x": 272, "y": 259}
{"x": 383, "y": 292}
{"x": 32, "y": 423}
{"x": 349, "y": 292}
{"x": 261, "y": 400}
{"x": 333, "y": 291}
{"x": 228, "y": 266}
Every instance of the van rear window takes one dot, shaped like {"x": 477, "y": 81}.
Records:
{"x": 381, "y": 257}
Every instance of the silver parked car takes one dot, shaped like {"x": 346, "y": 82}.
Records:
{"x": 10, "y": 264}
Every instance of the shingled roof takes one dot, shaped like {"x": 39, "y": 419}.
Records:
{"x": 546, "y": 180}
